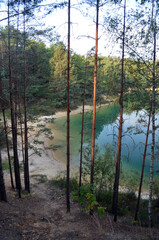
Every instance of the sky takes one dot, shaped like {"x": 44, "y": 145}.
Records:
{"x": 82, "y": 26}
{"x": 82, "y": 29}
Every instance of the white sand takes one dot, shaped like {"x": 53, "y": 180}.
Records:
{"x": 47, "y": 164}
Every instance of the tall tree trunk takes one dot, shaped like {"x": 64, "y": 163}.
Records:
{"x": 81, "y": 153}
{"x": 7, "y": 145}
{"x": 15, "y": 98}
{"x": 118, "y": 155}
{"x": 26, "y": 162}
{"x": 94, "y": 95}
{"x": 68, "y": 114}
{"x": 3, "y": 195}
{"x": 153, "y": 118}
{"x": 21, "y": 132}
{"x": 6, "y": 132}
{"x": 14, "y": 129}
{"x": 142, "y": 171}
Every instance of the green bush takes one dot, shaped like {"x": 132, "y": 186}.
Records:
{"x": 105, "y": 198}
{"x": 126, "y": 203}
{"x": 156, "y": 187}
{"x": 104, "y": 168}
{"x": 60, "y": 182}
{"x": 143, "y": 214}
{"x": 87, "y": 199}
{"x": 5, "y": 166}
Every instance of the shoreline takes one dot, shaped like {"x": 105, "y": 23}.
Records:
{"x": 48, "y": 164}
{"x": 87, "y": 108}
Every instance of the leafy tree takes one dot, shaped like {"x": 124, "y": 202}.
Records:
{"x": 38, "y": 70}
{"x": 103, "y": 168}
{"x": 58, "y": 74}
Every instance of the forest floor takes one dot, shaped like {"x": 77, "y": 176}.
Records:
{"x": 42, "y": 215}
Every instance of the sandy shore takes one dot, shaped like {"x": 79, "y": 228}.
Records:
{"x": 47, "y": 164}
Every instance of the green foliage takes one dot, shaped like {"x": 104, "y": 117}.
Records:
{"x": 143, "y": 219}
{"x": 143, "y": 213}
{"x": 87, "y": 199}
{"x": 55, "y": 147}
{"x": 103, "y": 169}
{"x": 156, "y": 187}
{"x": 137, "y": 100}
{"x": 105, "y": 198}
{"x": 43, "y": 107}
{"x": 58, "y": 65}
{"x": 126, "y": 203}
{"x": 2, "y": 136}
{"x": 101, "y": 211}
{"x": 5, "y": 165}
{"x": 41, "y": 178}
{"x": 130, "y": 181}
{"x": 60, "y": 182}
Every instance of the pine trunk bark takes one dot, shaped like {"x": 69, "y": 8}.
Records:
{"x": 82, "y": 128}
{"x": 153, "y": 119}
{"x": 118, "y": 155}
{"x": 68, "y": 114}
{"x": 26, "y": 162}
{"x": 3, "y": 195}
{"x": 142, "y": 171}
{"x": 7, "y": 145}
{"x": 21, "y": 132}
{"x": 6, "y": 132}
{"x": 14, "y": 129}
{"x": 94, "y": 95}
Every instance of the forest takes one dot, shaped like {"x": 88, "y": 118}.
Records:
{"x": 79, "y": 132}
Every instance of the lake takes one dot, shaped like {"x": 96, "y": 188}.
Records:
{"x": 107, "y": 119}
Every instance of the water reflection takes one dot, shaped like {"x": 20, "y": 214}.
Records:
{"x": 134, "y": 129}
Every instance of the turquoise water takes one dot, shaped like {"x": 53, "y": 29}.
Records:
{"x": 106, "y": 133}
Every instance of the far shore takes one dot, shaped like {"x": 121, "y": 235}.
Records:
{"x": 87, "y": 108}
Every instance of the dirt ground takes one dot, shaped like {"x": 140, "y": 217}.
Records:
{"x": 42, "y": 215}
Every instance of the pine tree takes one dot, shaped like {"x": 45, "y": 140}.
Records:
{"x": 94, "y": 94}
{"x": 68, "y": 113}
{"x": 118, "y": 155}
{"x": 13, "y": 123}
{"x": 3, "y": 195}
{"x": 153, "y": 23}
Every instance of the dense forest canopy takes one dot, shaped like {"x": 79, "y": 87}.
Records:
{"x": 46, "y": 71}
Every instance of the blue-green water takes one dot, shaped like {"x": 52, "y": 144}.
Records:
{"x": 106, "y": 133}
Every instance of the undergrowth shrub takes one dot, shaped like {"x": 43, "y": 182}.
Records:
{"x": 87, "y": 199}
{"x": 60, "y": 182}
{"x": 104, "y": 168}
{"x": 126, "y": 203}
{"x": 156, "y": 187}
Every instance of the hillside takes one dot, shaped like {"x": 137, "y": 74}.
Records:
{"x": 42, "y": 216}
